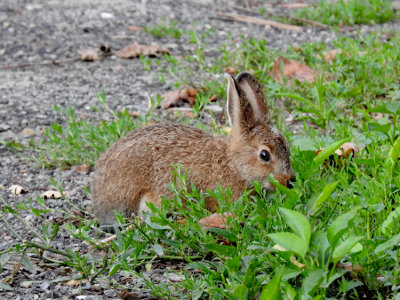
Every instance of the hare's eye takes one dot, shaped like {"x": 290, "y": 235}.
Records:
{"x": 265, "y": 155}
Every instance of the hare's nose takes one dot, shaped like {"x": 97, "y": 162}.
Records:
{"x": 290, "y": 182}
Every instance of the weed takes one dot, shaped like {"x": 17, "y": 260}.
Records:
{"x": 335, "y": 234}
{"x": 349, "y": 12}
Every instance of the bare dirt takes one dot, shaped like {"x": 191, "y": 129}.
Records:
{"x": 38, "y": 43}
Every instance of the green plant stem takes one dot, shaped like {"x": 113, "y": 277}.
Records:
{"x": 48, "y": 248}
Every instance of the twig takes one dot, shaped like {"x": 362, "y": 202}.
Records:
{"x": 18, "y": 266}
{"x": 311, "y": 22}
{"x": 52, "y": 62}
{"x": 105, "y": 262}
{"x": 254, "y": 20}
{"x": 298, "y": 19}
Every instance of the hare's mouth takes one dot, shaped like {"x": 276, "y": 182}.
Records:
{"x": 268, "y": 187}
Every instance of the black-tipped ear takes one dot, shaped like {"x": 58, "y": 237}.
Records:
{"x": 240, "y": 110}
{"x": 253, "y": 92}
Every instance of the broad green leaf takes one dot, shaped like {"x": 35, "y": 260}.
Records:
{"x": 198, "y": 265}
{"x": 114, "y": 269}
{"x": 272, "y": 290}
{"x": 388, "y": 224}
{"x": 292, "y": 193}
{"x": 346, "y": 247}
{"x": 388, "y": 244}
{"x": 222, "y": 250}
{"x": 290, "y": 242}
{"x": 392, "y": 107}
{"x": 312, "y": 281}
{"x": 241, "y": 292}
{"x": 158, "y": 249}
{"x": 339, "y": 226}
{"x": 328, "y": 151}
{"x": 5, "y": 287}
{"x": 28, "y": 265}
{"x": 297, "y": 222}
{"x": 394, "y": 152}
{"x": 320, "y": 244}
{"x": 223, "y": 232}
{"x": 325, "y": 194}
{"x": 304, "y": 144}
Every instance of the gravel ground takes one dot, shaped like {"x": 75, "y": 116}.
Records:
{"x": 36, "y": 32}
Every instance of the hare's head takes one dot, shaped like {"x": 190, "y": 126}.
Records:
{"x": 258, "y": 148}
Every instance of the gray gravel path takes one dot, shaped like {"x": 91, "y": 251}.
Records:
{"x": 34, "y": 32}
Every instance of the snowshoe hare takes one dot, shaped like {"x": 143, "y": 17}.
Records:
{"x": 137, "y": 168}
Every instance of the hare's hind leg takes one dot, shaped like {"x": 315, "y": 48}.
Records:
{"x": 148, "y": 197}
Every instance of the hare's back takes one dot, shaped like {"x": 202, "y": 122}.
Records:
{"x": 155, "y": 142}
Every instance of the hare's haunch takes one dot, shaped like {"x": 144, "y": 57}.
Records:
{"x": 138, "y": 167}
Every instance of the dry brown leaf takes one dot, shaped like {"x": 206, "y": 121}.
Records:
{"x": 293, "y": 5}
{"x": 28, "y": 132}
{"x": 292, "y": 69}
{"x": 135, "y": 114}
{"x": 179, "y": 97}
{"x": 215, "y": 220}
{"x": 17, "y": 189}
{"x": 343, "y": 152}
{"x": 230, "y": 70}
{"x": 332, "y": 54}
{"x": 75, "y": 282}
{"x": 134, "y": 28}
{"x": 82, "y": 169}
{"x": 213, "y": 98}
{"x": 89, "y": 55}
{"x": 136, "y": 49}
{"x": 51, "y": 194}
{"x": 254, "y": 20}
{"x": 125, "y": 295}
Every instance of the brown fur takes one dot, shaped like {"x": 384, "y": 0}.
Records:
{"x": 138, "y": 166}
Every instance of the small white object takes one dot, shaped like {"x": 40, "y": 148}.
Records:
{"x": 107, "y": 15}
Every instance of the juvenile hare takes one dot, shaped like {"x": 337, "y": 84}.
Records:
{"x": 137, "y": 168}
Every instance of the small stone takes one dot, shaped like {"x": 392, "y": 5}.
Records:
{"x": 4, "y": 127}
{"x": 110, "y": 293}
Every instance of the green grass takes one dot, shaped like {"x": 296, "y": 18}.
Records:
{"x": 349, "y": 12}
{"x": 335, "y": 216}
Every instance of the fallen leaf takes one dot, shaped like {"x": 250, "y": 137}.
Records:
{"x": 349, "y": 267}
{"x": 296, "y": 262}
{"x": 135, "y": 114}
{"x": 82, "y": 169}
{"x": 17, "y": 189}
{"x": 332, "y": 54}
{"x": 292, "y": 69}
{"x": 179, "y": 97}
{"x": 94, "y": 54}
{"x": 215, "y": 220}
{"x": 51, "y": 194}
{"x": 230, "y": 70}
{"x": 213, "y": 98}
{"x": 75, "y": 282}
{"x": 293, "y": 5}
{"x": 343, "y": 152}
{"x": 125, "y": 295}
{"x": 28, "y": 132}
{"x": 185, "y": 110}
{"x": 89, "y": 55}
{"x": 136, "y": 49}
{"x": 134, "y": 28}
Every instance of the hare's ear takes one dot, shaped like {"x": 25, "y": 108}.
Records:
{"x": 254, "y": 94}
{"x": 246, "y": 104}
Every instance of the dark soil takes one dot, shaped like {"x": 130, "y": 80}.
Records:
{"x": 38, "y": 40}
